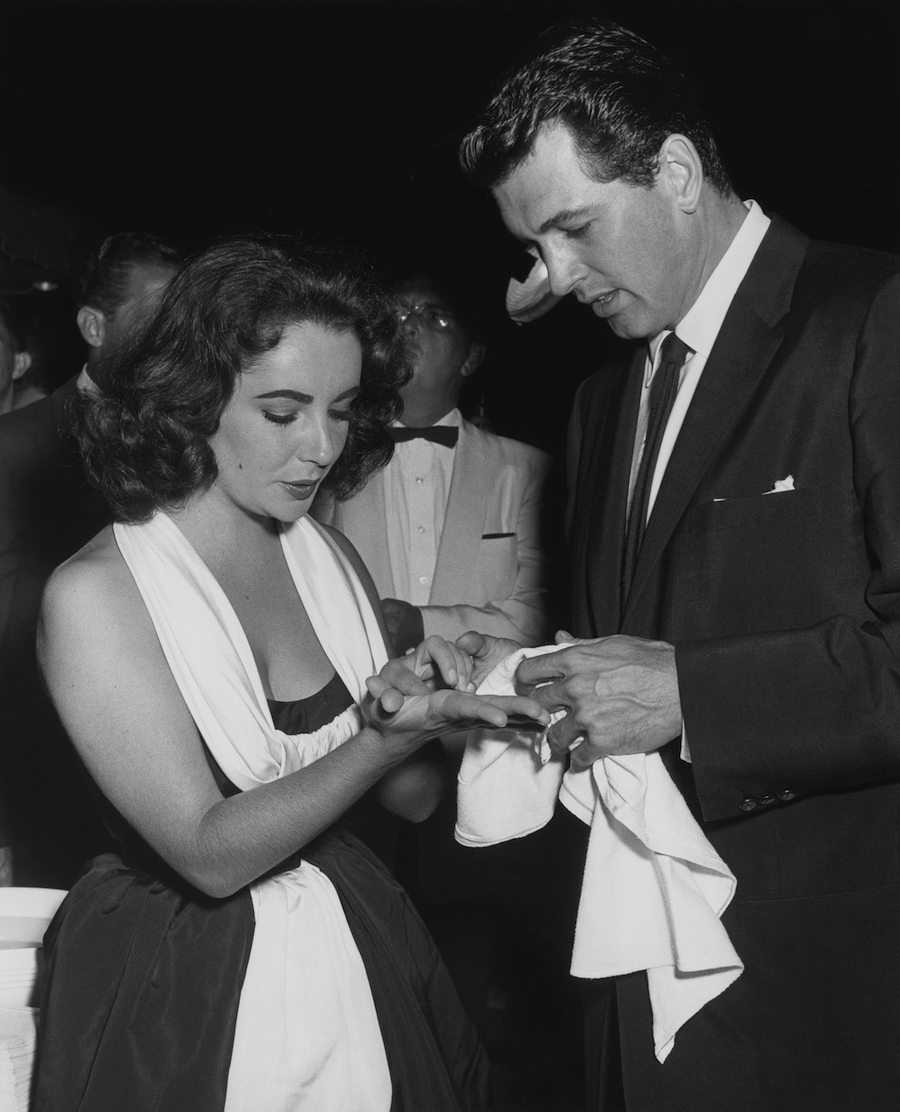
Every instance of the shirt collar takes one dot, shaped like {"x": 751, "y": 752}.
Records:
{"x": 85, "y": 382}
{"x": 453, "y": 419}
{"x": 700, "y": 325}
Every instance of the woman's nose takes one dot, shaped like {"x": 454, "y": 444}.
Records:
{"x": 320, "y": 443}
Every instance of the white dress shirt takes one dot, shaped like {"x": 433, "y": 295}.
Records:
{"x": 698, "y": 329}
{"x": 416, "y": 488}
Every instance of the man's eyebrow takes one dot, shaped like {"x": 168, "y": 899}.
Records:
{"x": 565, "y": 216}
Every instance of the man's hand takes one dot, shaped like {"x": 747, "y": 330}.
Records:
{"x": 486, "y": 652}
{"x": 404, "y": 622}
{"x": 619, "y": 693}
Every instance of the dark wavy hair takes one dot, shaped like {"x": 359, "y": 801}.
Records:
{"x": 145, "y": 433}
{"x": 615, "y": 93}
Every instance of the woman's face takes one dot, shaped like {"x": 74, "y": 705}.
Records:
{"x": 287, "y": 422}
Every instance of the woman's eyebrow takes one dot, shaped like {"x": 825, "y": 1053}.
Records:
{"x": 296, "y": 396}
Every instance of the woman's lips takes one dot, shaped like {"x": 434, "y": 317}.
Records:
{"x": 302, "y": 490}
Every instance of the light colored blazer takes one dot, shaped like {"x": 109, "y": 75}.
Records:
{"x": 490, "y": 566}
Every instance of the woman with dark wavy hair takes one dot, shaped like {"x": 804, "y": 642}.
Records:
{"x": 214, "y": 656}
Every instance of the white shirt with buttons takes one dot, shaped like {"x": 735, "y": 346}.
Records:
{"x": 416, "y": 489}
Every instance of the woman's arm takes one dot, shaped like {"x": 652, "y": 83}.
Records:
{"x": 109, "y": 679}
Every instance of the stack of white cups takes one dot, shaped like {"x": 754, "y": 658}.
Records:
{"x": 25, "y": 914}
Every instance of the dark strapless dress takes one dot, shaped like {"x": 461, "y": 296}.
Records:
{"x": 143, "y": 976}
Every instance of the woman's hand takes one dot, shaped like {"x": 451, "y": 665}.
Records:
{"x": 413, "y": 719}
{"x": 434, "y": 664}
{"x": 429, "y": 692}
{"x": 485, "y": 651}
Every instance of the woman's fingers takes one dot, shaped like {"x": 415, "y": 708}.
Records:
{"x": 493, "y": 710}
{"x": 437, "y": 658}
{"x": 385, "y": 696}
{"x": 399, "y": 674}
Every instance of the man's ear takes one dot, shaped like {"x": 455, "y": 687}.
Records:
{"x": 681, "y": 171}
{"x": 92, "y": 325}
{"x": 473, "y": 360}
{"x": 22, "y": 363}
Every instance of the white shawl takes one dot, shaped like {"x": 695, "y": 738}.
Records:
{"x": 306, "y": 1027}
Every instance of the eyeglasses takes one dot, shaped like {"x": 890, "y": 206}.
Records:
{"x": 433, "y": 317}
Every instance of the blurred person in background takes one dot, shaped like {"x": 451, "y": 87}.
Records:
{"x": 16, "y": 386}
{"x": 454, "y": 532}
{"x": 47, "y": 512}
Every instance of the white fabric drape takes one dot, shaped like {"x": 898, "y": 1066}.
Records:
{"x": 307, "y": 1035}
{"x": 653, "y": 886}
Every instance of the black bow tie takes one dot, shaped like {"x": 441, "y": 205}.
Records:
{"x": 437, "y": 434}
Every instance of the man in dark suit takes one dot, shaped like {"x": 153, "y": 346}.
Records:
{"x": 735, "y": 524}
{"x": 47, "y": 512}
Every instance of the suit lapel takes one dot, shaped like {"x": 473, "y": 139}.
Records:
{"x": 741, "y": 356}
{"x": 464, "y": 519}
{"x": 603, "y": 491}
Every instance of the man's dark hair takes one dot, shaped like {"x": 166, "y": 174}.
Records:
{"x": 145, "y": 435}
{"x": 615, "y": 93}
{"x": 10, "y": 323}
{"x": 105, "y": 280}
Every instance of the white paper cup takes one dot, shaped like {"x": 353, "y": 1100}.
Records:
{"x": 25, "y": 914}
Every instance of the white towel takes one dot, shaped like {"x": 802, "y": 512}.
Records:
{"x": 653, "y": 886}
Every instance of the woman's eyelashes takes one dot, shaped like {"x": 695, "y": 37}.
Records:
{"x": 340, "y": 415}
{"x": 279, "y": 418}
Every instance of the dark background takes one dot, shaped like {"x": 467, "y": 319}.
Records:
{"x": 340, "y": 120}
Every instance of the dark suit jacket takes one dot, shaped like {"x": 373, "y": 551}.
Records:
{"x": 785, "y": 612}
{"x": 47, "y": 512}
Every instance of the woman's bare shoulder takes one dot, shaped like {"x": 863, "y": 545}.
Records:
{"x": 91, "y": 580}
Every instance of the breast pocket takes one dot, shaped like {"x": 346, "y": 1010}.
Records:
{"x": 495, "y": 567}
{"x": 757, "y": 563}
{"x": 757, "y": 512}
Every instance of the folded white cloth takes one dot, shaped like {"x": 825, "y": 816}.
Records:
{"x": 653, "y": 886}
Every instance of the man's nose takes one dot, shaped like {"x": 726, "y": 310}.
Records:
{"x": 411, "y": 323}
{"x": 563, "y": 272}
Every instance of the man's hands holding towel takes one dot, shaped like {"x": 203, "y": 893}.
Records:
{"x": 430, "y": 692}
{"x": 620, "y": 695}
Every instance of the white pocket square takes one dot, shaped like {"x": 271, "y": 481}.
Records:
{"x": 781, "y": 485}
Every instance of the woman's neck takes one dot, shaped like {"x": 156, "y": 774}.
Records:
{"x": 218, "y": 530}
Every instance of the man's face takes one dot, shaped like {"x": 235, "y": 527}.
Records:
{"x": 440, "y": 343}
{"x": 8, "y": 355}
{"x": 624, "y": 250}
{"x": 145, "y": 286}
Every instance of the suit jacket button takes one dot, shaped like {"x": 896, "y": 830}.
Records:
{"x": 767, "y": 800}
{"x": 786, "y": 796}
{"x": 748, "y": 805}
